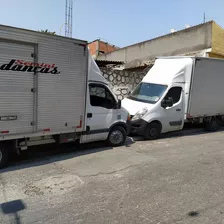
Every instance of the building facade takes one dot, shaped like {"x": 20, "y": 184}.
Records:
{"x": 205, "y": 40}
{"x": 99, "y": 47}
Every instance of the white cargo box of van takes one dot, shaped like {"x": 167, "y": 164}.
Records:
{"x": 206, "y": 90}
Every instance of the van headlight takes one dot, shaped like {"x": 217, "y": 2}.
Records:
{"x": 140, "y": 113}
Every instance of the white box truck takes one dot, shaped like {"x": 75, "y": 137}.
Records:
{"x": 177, "y": 90}
{"x": 51, "y": 90}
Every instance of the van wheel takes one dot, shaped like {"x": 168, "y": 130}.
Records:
{"x": 212, "y": 125}
{"x": 152, "y": 131}
{"x": 4, "y": 155}
{"x": 117, "y": 136}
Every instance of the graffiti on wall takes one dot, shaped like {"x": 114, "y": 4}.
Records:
{"x": 122, "y": 82}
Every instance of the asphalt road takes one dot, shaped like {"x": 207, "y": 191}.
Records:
{"x": 176, "y": 179}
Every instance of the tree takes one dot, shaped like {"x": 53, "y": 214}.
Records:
{"x": 47, "y": 31}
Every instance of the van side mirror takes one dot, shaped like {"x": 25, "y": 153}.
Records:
{"x": 167, "y": 102}
{"x": 119, "y": 104}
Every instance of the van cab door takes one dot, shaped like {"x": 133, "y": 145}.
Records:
{"x": 173, "y": 109}
{"x": 101, "y": 112}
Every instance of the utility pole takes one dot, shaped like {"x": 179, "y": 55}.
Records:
{"x": 204, "y": 18}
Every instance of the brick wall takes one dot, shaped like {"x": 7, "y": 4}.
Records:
{"x": 106, "y": 48}
{"x": 98, "y": 46}
{"x": 92, "y": 48}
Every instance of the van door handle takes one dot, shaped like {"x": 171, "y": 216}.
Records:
{"x": 89, "y": 115}
{"x": 178, "y": 109}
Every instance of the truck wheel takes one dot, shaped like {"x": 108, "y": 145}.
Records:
{"x": 212, "y": 125}
{"x": 4, "y": 155}
{"x": 222, "y": 120}
{"x": 152, "y": 131}
{"x": 117, "y": 136}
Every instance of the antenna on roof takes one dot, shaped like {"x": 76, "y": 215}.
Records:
{"x": 68, "y": 18}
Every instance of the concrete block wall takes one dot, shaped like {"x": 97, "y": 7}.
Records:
{"x": 121, "y": 81}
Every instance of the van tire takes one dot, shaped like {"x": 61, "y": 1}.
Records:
{"x": 212, "y": 125}
{"x": 117, "y": 136}
{"x": 4, "y": 156}
{"x": 152, "y": 131}
{"x": 222, "y": 120}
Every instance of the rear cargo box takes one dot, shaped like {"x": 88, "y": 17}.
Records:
{"x": 207, "y": 88}
{"x": 42, "y": 82}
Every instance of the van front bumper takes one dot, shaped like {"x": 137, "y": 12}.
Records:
{"x": 138, "y": 126}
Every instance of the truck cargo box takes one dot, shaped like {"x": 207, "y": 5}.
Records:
{"x": 207, "y": 88}
{"x": 43, "y": 81}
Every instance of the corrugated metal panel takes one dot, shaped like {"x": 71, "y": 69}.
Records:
{"x": 61, "y": 97}
{"x": 16, "y": 98}
{"x": 206, "y": 96}
{"x": 23, "y": 35}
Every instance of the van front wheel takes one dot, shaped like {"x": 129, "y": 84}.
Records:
{"x": 152, "y": 131}
{"x": 117, "y": 136}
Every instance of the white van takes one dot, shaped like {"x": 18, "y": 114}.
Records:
{"x": 177, "y": 90}
{"x": 51, "y": 91}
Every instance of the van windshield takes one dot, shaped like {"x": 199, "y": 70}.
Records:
{"x": 148, "y": 92}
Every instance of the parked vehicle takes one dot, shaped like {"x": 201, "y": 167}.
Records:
{"x": 177, "y": 90}
{"x": 51, "y": 90}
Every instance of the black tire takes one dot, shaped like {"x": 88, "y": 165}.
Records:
{"x": 152, "y": 131}
{"x": 212, "y": 125}
{"x": 4, "y": 155}
{"x": 221, "y": 121}
{"x": 117, "y": 136}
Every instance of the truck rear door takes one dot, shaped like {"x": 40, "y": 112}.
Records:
{"x": 16, "y": 88}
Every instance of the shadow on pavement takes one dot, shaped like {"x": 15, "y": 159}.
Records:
{"x": 189, "y": 130}
{"x": 42, "y": 155}
{"x": 46, "y": 154}
{"x": 12, "y": 208}
{"x": 194, "y": 213}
